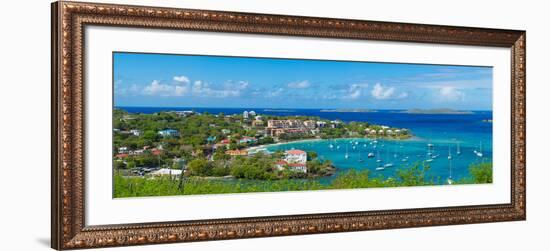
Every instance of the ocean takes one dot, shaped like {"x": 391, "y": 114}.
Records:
{"x": 457, "y": 135}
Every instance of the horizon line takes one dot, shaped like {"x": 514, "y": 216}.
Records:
{"x": 282, "y": 108}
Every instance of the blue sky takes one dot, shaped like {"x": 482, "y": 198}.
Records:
{"x": 207, "y": 81}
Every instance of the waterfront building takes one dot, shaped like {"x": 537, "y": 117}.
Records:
{"x": 280, "y": 165}
{"x": 298, "y": 167}
{"x": 245, "y": 114}
{"x": 294, "y": 161}
{"x": 276, "y": 128}
{"x": 166, "y": 171}
{"x": 296, "y": 156}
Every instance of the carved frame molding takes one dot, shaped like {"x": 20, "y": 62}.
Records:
{"x": 68, "y": 22}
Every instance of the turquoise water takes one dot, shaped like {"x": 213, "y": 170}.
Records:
{"x": 397, "y": 153}
{"x": 443, "y": 131}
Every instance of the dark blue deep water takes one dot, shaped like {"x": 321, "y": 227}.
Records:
{"x": 446, "y": 132}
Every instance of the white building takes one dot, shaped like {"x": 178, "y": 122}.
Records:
{"x": 252, "y": 113}
{"x": 296, "y": 156}
{"x": 123, "y": 149}
{"x": 166, "y": 171}
{"x": 136, "y": 132}
{"x": 295, "y": 167}
{"x": 321, "y": 123}
{"x": 245, "y": 114}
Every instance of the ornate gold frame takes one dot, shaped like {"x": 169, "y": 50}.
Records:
{"x": 68, "y": 228}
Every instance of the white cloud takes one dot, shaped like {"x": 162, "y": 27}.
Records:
{"x": 182, "y": 86}
{"x": 181, "y": 79}
{"x": 156, "y": 88}
{"x": 354, "y": 91}
{"x": 203, "y": 89}
{"x": 381, "y": 92}
{"x": 451, "y": 93}
{"x": 299, "y": 84}
{"x": 275, "y": 93}
{"x": 402, "y": 95}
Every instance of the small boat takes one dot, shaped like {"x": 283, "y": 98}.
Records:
{"x": 450, "y": 181}
{"x": 370, "y": 155}
{"x": 449, "y": 157}
{"x": 429, "y": 160}
{"x": 435, "y": 156}
{"x": 480, "y": 153}
{"x": 458, "y": 148}
{"x": 331, "y": 146}
{"x": 347, "y": 155}
{"x": 337, "y": 147}
{"x": 405, "y": 159}
{"x": 378, "y": 154}
{"x": 388, "y": 164}
{"x": 380, "y": 168}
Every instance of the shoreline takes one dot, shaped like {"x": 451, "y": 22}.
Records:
{"x": 255, "y": 148}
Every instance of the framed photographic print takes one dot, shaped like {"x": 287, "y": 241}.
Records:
{"x": 176, "y": 125}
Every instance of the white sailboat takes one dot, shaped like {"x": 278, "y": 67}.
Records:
{"x": 388, "y": 164}
{"x": 457, "y": 148}
{"x": 406, "y": 158}
{"x": 480, "y": 153}
{"x": 430, "y": 155}
{"x": 378, "y": 154}
{"x": 450, "y": 179}
{"x": 449, "y": 157}
{"x": 347, "y": 155}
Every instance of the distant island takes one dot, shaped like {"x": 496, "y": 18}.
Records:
{"x": 347, "y": 110}
{"x": 436, "y": 111}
